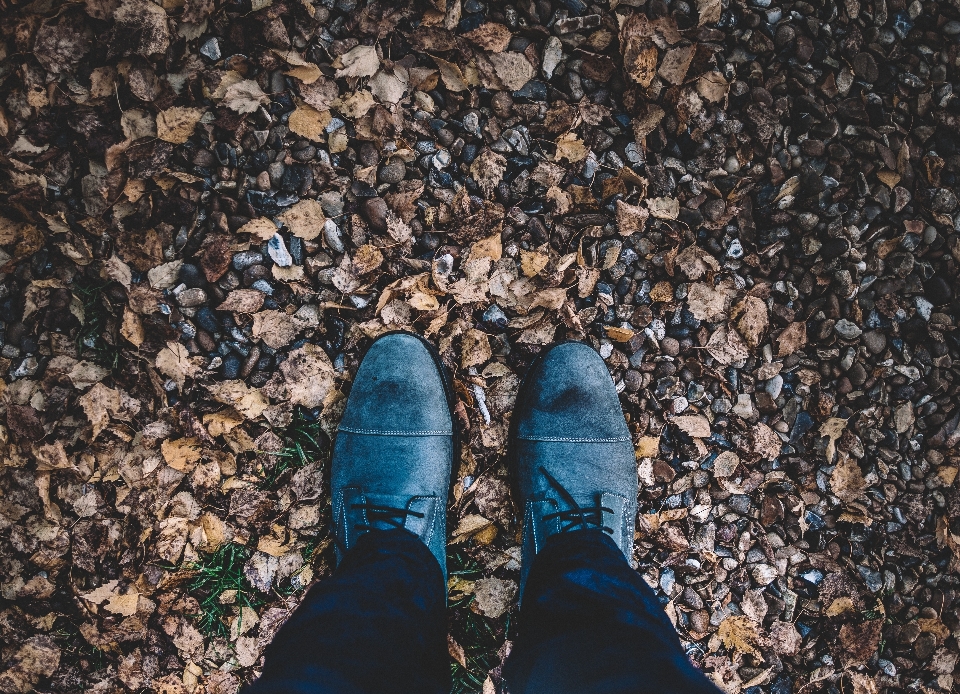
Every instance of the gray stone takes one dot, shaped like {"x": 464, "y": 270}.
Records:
{"x": 847, "y": 330}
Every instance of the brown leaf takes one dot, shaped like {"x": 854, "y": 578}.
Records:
{"x": 675, "y": 64}
{"x": 488, "y": 170}
{"x": 792, "y": 338}
{"x": 243, "y": 301}
{"x": 182, "y": 454}
{"x": 490, "y": 36}
{"x": 846, "y": 480}
{"x": 513, "y": 69}
{"x": 176, "y": 124}
{"x": 860, "y": 641}
{"x": 475, "y": 349}
{"x": 750, "y": 317}
{"x": 738, "y": 633}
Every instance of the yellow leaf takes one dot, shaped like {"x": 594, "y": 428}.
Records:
{"x": 648, "y": 447}
{"x": 738, "y": 633}
{"x": 308, "y": 122}
{"x": 182, "y": 454}
{"x": 176, "y": 124}
{"x": 571, "y": 148}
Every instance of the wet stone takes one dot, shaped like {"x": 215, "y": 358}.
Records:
{"x": 392, "y": 172}
{"x": 245, "y": 259}
{"x": 189, "y": 298}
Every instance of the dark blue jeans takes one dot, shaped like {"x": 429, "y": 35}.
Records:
{"x": 589, "y": 624}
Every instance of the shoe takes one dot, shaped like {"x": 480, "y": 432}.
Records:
{"x": 571, "y": 453}
{"x": 395, "y": 445}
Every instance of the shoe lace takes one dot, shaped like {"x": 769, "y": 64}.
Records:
{"x": 577, "y": 517}
{"x": 378, "y": 513}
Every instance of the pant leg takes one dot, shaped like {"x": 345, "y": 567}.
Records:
{"x": 378, "y": 625}
{"x": 590, "y": 624}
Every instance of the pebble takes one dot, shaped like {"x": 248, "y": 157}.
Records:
{"x": 392, "y": 172}
{"x": 189, "y": 298}
{"x": 875, "y": 341}
{"x": 847, "y": 330}
{"x": 278, "y": 251}
{"x": 211, "y": 49}
{"x": 375, "y": 211}
{"x": 244, "y": 259}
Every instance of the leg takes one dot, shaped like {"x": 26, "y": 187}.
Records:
{"x": 377, "y": 626}
{"x": 590, "y": 624}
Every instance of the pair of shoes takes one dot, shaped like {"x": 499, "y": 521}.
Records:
{"x": 571, "y": 453}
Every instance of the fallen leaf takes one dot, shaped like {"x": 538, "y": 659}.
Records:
{"x": 490, "y": 36}
{"x": 488, "y": 170}
{"x": 305, "y": 219}
{"x": 750, "y": 318}
{"x": 571, "y": 148}
{"x": 176, "y": 124}
{"x": 244, "y": 97}
{"x": 243, "y": 301}
{"x": 675, "y": 64}
{"x": 792, "y": 338}
{"x": 359, "y": 61}
{"x": 846, "y": 480}
{"x": 182, "y": 454}
{"x": 513, "y": 69}
{"x": 631, "y": 219}
{"x": 174, "y": 361}
{"x": 309, "y": 122}
{"x": 693, "y": 425}
{"x": 739, "y": 634}
{"x": 494, "y": 596}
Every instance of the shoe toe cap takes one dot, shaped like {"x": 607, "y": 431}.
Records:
{"x": 569, "y": 395}
{"x": 398, "y": 388}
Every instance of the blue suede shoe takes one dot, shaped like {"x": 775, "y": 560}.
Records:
{"x": 571, "y": 453}
{"x": 395, "y": 445}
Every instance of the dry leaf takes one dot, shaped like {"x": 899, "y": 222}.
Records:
{"x": 513, "y": 69}
{"x": 249, "y": 402}
{"x": 846, "y": 480}
{"x": 176, "y": 124}
{"x": 833, "y": 429}
{"x": 475, "y": 349}
{"x": 359, "y": 61}
{"x": 750, "y": 318}
{"x": 693, "y": 425}
{"x": 244, "y": 97}
{"x": 309, "y": 123}
{"x": 487, "y": 170}
{"x": 571, "y": 148}
{"x": 490, "y": 36}
{"x": 792, "y": 338}
{"x": 631, "y": 219}
{"x": 182, "y": 454}
{"x": 174, "y": 361}
{"x": 739, "y": 634}
{"x": 675, "y": 64}
{"x": 305, "y": 219}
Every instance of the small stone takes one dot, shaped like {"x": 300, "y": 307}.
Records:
{"x": 670, "y": 346}
{"x": 552, "y": 54}
{"x": 732, "y": 164}
{"x": 263, "y": 181}
{"x": 632, "y": 381}
{"x": 211, "y": 49}
{"x": 189, "y": 298}
{"x": 191, "y": 275}
{"x": 875, "y": 341}
{"x": 278, "y": 251}
{"x": 375, "y": 210}
{"x": 231, "y": 367}
{"x": 865, "y": 67}
{"x": 938, "y": 290}
{"x": 244, "y": 259}
{"x": 305, "y": 154}
{"x": 392, "y": 172}
{"x": 847, "y": 330}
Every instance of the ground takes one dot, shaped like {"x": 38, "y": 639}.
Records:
{"x": 208, "y": 210}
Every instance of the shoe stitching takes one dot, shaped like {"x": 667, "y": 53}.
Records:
{"x": 391, "y": 432}
{"x": 575, "y": 439}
